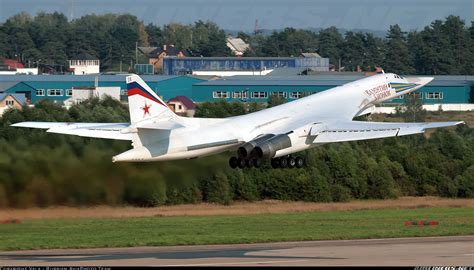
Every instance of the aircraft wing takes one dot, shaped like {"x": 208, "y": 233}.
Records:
{"x": 358, "y": 130}
{"x": 92, "y": 130}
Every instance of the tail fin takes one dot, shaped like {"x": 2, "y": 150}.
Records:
{"x": 143, "y": 102}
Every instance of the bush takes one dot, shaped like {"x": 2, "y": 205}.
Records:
{"x": 145, "y": 189}
{"x": 340, "y": 193}
{"x": 243, "y": 186}
{"x": 179, "y": 194}
{"x": 216, "y": 189}
{"x": 466, "y": 183}
{"x": 315, "y": 188}
{"x": 3, "y": 197}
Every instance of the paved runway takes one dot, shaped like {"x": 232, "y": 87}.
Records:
{"x": 433, "y": 251}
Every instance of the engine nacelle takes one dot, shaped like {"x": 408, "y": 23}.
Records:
{"x": 245, "y": 150}
{"x": 268, "y": 148}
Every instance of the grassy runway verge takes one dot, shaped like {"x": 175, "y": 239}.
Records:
{"x": 188, "y": 230}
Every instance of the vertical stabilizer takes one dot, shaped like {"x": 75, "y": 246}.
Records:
{"x": 143, "y": 102}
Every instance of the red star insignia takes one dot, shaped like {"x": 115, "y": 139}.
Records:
{"x": 146, "y": 109}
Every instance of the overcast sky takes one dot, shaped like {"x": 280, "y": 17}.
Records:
{"x": 271, "y": 14}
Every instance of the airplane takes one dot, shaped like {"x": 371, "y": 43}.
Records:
{"x": 158, "y": 134}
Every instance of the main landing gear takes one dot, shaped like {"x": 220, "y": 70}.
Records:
{"x": 287, "y": 162}
{"x": 235, "y": 162}
{"x": 280, "y": 162}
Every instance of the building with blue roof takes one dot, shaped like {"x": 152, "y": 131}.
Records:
{"x": 442, "y": 90}
{"x": 188, "y": 65}
{"x": 59, "y": 87}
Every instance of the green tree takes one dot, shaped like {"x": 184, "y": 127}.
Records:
{"x": 413, "y": 110}
{"x": 22, "y": 43}
{"x": 245, "y": 37}
{"x": 209, "y": 40}
{"x": 397, "y": 57}
{"x": 374, "y": 52}
{"x": 330, "y": 45}
{"x": 257, "y": 43}
{"x": 466, "y": 183}
{"x": 48, "y": 27}
{"x": 4, "y": 45}
{"x": 155, "y": 35}
{"x": 460, "y": 45}
{"x": 290, "y": 42}
{"x": 243, "y": 186}
{"x": 354, "y": 53}
{"x": 145, "y": 189}
{"x": 217, "y": 189}
{"x": 275, "y": 100}
{"x": 53, "y": 53}
{"x": 177, "y": 34}
{"x": 220, "y": 109}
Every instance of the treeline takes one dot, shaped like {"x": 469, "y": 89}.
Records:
{"x": 42, "y": 169}
{"x": 444, "y": 47}
{"x": 50, "y": 39}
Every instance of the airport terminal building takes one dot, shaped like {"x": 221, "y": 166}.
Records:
{"x": 442, "y": 90}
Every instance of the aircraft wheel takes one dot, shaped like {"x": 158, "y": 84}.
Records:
{"x": 283, "y": 162}
{"x": 257, "y": 163}
{"x": 241, "y": 163}
{"x": 275, "y": 163}
{"x": 249, "y": 163}
{"x": 233, "y": 162}
{"x": 291, "y": 162}
{"x": 299, "y": 162}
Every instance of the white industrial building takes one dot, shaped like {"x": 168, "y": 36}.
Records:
{"x": 78, "y": 95}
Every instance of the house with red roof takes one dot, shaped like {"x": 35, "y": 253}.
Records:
{"x": 182, "y": 105}
{"x": 12, "y": 64}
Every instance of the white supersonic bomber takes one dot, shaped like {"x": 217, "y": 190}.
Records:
{"x": 272, "y": 134}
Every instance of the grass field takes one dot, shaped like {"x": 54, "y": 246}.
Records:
{"x": 236, "y": 208}
{"x": 227, "y": 229}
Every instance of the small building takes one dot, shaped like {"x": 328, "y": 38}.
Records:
{"x": 84, "y": 64}
{"x": 156, "y": 54}
{"x": 237, "y": 45}
{"x": 9, "y": 66}
{"x": 182, "y": 105}
{"x": 8, "y": 100}
{"x": 82, "y": 93}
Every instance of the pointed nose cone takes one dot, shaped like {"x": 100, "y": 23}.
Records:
{"x": 420, "y": 80}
